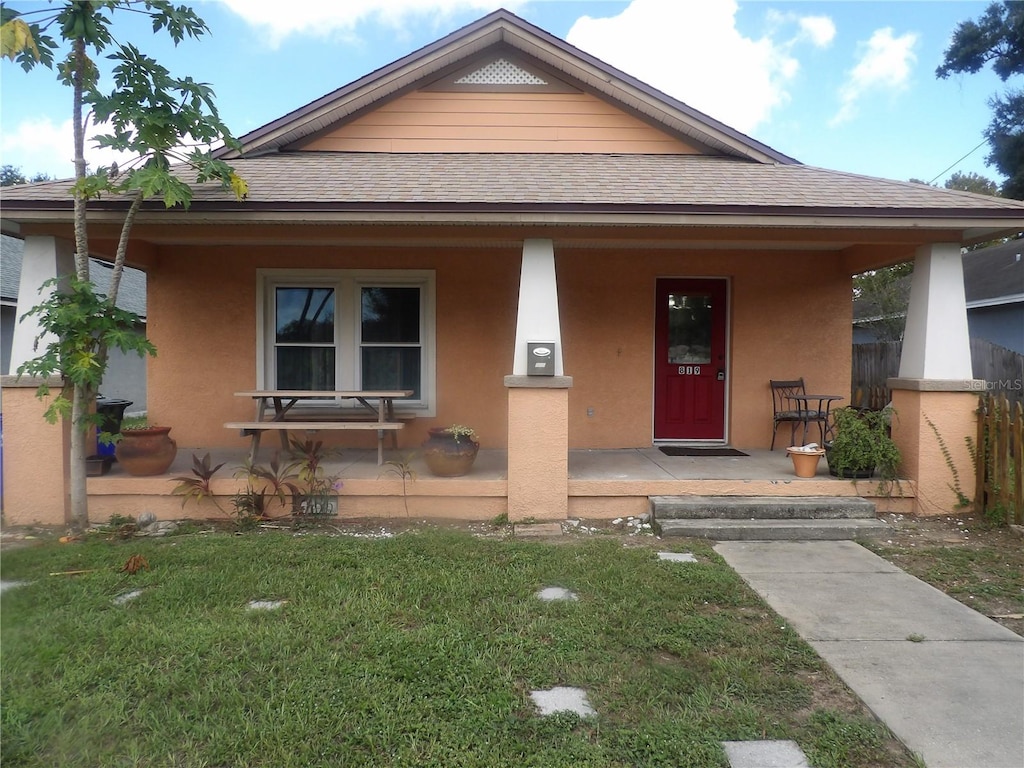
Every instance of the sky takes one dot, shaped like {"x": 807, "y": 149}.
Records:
{"x": 842, "y": 84}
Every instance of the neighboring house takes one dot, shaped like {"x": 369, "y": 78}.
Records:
{"x": 418, "y": 227}
{"x": 994, "y": 289}
{"x": 126, "y": 374}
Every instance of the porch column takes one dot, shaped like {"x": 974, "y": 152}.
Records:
{"x": 35, "y": 456}
{"x": 935, "y": 395}
{"x": 538, "y": 406}
{"x": 43, "y": 258}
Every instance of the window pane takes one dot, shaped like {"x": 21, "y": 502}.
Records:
{"x": 305, "y": 368}
{"x": 391, "y": 315}
{"x": 392, "y": 368}
{"x": 689, "y": 328}
{"x": 305, "y": 315}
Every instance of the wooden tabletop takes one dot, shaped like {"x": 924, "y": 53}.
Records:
{"x": 304, "y": 393}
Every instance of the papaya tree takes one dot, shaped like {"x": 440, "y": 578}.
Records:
{"x": 166, "y": 125}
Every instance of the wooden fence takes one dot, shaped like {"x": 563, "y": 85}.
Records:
{"x": 999, "y": 494}
{"x": 1001, "y": 368}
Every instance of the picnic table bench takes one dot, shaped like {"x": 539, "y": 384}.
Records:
{"x": 375, "y": 410}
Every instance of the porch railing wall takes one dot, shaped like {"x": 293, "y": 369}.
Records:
{"x": 999, "y": 494}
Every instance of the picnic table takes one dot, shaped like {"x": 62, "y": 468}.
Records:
{"x": 372, "y": 409}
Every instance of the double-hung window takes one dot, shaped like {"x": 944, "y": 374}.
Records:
{"x": 348, "y": 330}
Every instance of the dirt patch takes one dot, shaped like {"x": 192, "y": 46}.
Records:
{"x": 981, "y": 566}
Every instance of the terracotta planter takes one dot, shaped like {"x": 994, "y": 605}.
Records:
{"x": 805, "y": 463}
{"x": 447, "y": 457}
{"x": 144, "y": 452}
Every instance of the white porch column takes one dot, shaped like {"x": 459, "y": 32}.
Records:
{"x": 935, "y": 396}
{"x": 43, "y": 258}
{"x": 538, "y": 304}
{"x": 538, "y": 406}
{"x": 936, "y": 344}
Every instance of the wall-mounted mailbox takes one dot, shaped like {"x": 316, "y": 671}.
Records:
{"x": 540, "y": 358}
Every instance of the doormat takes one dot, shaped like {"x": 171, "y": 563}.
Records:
{"x": 683, "y": 450}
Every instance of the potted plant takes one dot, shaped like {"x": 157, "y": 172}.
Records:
{"x": 862, "y": 445}
{"x": 145, "y": 450}
{"x": 805, "y": 459}
{"x": 450, "y": 451}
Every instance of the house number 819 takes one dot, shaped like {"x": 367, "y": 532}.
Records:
{"x": 689, "y": 370}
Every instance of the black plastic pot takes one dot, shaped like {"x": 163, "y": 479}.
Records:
{"x": 111, "y": 411}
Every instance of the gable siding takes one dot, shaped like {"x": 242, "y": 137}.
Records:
{"x": 427, "y": 121}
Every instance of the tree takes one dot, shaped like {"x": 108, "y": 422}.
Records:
{"x": 884, "y": 295}
{"x": 157, "y": 118}
{"x": 11, "y": 175}
{"x": 972, "y": 182}
{"x": 996, "y": 38}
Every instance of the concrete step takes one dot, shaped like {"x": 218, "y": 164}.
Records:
{"x": 761, "y": 508}
{"x": 773, "y": 530}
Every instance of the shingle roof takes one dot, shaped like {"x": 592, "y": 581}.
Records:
{"x": 645, "y": 183}
{"x": 995, "y": 272}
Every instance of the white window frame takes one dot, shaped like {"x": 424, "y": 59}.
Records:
{"x": 348, "y": 285}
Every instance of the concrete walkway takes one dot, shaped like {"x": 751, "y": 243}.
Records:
{"x": 947, "y": 681}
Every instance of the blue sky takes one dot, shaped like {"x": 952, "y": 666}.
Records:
{"x": 846, "y": 85}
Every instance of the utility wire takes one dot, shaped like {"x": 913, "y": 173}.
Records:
{"x": 954, "y": 165}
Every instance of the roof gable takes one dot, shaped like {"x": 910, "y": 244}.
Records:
{"x": 473, "y": 52}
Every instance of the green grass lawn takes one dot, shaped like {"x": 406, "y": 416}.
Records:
{"x": 419, "y": 650}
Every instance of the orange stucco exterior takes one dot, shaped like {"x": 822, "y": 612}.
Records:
{"x": 782, "y": 324}
{"x": 929, "y": 427}
{"x": 35, "y": 464}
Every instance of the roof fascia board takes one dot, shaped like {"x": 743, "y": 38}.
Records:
{"x": 201, "y": 213}
{"x": 997, "y": 301}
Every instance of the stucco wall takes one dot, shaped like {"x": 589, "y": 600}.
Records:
{"x": 202, "y": 318}
{"x": 789, "y": 317}
{"x": 784, "y": 323}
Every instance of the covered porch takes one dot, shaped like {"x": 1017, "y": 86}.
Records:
{"x": 602, "y": 485}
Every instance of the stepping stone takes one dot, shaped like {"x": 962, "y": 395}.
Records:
{"x": 5, "y": 585}
{"x": 562, "y": 699}
{"x": 265, "y": 605}
{"x": 556, "y": 593}
{"x": 537, "y": 530}
{"x": 677, "y": 557}
{"x": 765, "y": 754}
{"x": 126, "y": 597}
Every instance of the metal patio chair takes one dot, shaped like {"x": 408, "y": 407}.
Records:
{"x": 789, "y": 411}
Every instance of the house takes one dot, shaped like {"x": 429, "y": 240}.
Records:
{"x": 500, "y": 187}
{"x": 126, "y": 374}
{"x": 994, "y": 290}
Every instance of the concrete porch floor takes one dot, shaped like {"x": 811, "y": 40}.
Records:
{"x": 602, "y": 484}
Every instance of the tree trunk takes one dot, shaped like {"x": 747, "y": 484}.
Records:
{"x": 80, "y": 403}
{"x": 79, "y": 65}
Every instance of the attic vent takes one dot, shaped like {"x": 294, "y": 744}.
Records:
{"x": 501, "y": 72}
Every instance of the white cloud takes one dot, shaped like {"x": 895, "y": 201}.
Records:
{"x": 323, "y": 18}
{"x": 819, "y": 29}
{"x": 38, "y": 145}
{"x": 885, "y": 65}
{"x": 694, "y": 52}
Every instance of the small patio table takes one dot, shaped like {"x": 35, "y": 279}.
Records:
{"x": 823, "y": 409}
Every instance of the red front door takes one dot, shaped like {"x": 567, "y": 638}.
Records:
{"x": 689, "y": 370}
